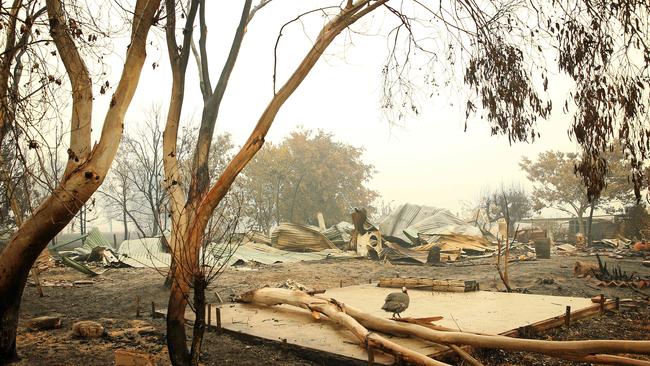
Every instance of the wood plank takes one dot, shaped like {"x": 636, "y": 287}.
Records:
{"x": 429, "y": 284}
{"x": 558, "y": 321}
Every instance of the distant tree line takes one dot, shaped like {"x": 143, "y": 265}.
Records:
{"x": 557, "y": 185}
{"x": 307, "y": 172}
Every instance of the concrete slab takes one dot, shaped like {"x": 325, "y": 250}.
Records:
{"x": 480, "y": 311}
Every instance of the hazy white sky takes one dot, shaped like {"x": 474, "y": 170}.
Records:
{"x": 428, "y": 159}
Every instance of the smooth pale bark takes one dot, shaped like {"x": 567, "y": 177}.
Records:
{"x": 82, "y": 87}
{"x": 178, "y": 61}
{"x": 178, "y": 57}
{"x": 553, "y": 348}
{"x": 56, "y": 211}
{"x": 562, "y": 349}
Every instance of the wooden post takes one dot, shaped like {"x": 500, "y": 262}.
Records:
{"x": 137, "y": 306}
{"x": 115, "y": 241}
{"x": 371, "y": 355}
{"x": 341, "y": 283}
{"x": 153, "y": 310}
{"x": 617, "y": 303}
{"x": 567, "y": 317}
{"x": 602, "y": 304}
{"x": 209, "y": 316}
{"x": 218, "y": 319}
{"x": 321, "y": 221}
{"x": 369, "y": 281}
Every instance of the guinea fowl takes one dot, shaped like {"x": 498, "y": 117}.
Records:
{"x": 396, "y": 302}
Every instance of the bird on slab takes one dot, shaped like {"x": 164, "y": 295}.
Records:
{"x": 396, "y": 302}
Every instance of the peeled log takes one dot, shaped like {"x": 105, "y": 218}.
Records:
{"x": 337, "y": 313}
{"x": 553, "y": 348}
{"x": 560, "y": 349}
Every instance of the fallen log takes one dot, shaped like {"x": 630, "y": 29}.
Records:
{"x": 499, "y": 342}
{"x": 336, "y": 312}
{"x": 560, "y": 349}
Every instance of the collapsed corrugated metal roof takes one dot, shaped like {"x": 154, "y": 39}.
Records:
{"x": 396, "y": 253}
{"x": 96, "y": 239}
{"x": 148, "y": 253}
{"x": 144, "y": 252}
{"x": 402, "y": 217}
{"x": 340, "y": 234}
{"x": 467, "y": 243}
{"x": 268, "y": 255}
{"x": 409, "y": 221}
{"x": 299, "y": 238}
{"x": 453, "y": 246}
{"x": 258, "y": 237}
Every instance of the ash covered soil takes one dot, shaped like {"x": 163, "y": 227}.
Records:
{"x": 111, "y": 301}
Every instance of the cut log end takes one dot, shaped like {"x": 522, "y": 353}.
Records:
{"x": 87, "y": 329}
{"x": 44, "y": 323}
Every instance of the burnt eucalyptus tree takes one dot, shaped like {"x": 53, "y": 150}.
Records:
{"x": 503, "y": 52}
{"x": 87, "y": 164}
{"x": 191, "y": 215}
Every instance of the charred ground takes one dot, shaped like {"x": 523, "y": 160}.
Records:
{"x": 111, "y": 300}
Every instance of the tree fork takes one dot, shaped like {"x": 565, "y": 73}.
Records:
{"x": 59, "y": 208}
{"x": 200, "y": 204}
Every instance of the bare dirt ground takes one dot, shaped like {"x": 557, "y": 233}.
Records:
{"x": 111, "y": 300}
